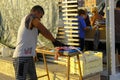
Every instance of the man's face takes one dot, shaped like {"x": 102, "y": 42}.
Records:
{"x": 39, "y": 14}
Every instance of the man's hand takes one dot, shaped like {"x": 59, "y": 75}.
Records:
{"x": 57, "y": 43}
{"x": 56, "y": 55}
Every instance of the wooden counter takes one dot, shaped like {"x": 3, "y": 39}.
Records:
{"x": 90, "y": 34}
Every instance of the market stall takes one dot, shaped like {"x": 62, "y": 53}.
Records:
{"x": 87, "y": 65}
{"x": 67, "y": 53}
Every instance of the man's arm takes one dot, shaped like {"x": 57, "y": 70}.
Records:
{"x": 43, "y": 29}
{"x": 92, "y": 20}
{"x": 46, "y": 33}
{"x": 84, "y": 26}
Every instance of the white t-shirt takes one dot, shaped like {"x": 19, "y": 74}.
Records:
{"x": 26, "y": 41}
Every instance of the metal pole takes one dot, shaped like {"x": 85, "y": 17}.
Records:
{"x": 107, "y": 40}
{"x": 112, "y": 37}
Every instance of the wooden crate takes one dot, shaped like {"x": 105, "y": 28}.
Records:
{"x": 91, "y": 63}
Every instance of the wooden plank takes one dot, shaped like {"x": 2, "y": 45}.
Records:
{"x": 69, "y": 6}
{"x": 61, "y": 37}
{"x": 55, "y": 61}
{"x": 61, "y": 29}
{"x": 70, "y": 14}
{"x": 71, "y": 27}
{"x": 61, "y": 33}
{"x": 69, "y": 10}
{"x": 42, "y": 76}
{"x": 70, "y": 19}
{"x": 71, "y": 23}
{"x": 72, "y": 35}
{"x": 72, "y": 31}
{"x": 73, "y": 39}
{"x": 61, "y": 58}
{"x": 44, "y": 51}
{"x": 69, "y": 2}
{"x": 73, "y": 44}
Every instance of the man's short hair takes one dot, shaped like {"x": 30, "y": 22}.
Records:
{"x": 81, "y": 11}
{"x": 37, "y": 8}
{"x": 118, "y": 4}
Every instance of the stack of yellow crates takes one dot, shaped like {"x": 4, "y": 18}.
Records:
{"x": 91, "y": 62}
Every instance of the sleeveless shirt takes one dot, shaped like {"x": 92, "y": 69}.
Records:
{"x": 26, "y": 40}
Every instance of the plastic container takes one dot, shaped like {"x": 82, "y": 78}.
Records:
{"x": 5, "y": 52}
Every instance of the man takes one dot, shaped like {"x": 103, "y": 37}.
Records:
{"x": 117, "y": 28}
{"x": 26, "y": 43}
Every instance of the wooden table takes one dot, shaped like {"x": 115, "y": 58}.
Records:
{"x": 48, "y": 52}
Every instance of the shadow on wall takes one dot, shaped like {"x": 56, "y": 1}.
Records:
{"x": 0, "y": 19}
{"x": 1, "y": 27}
